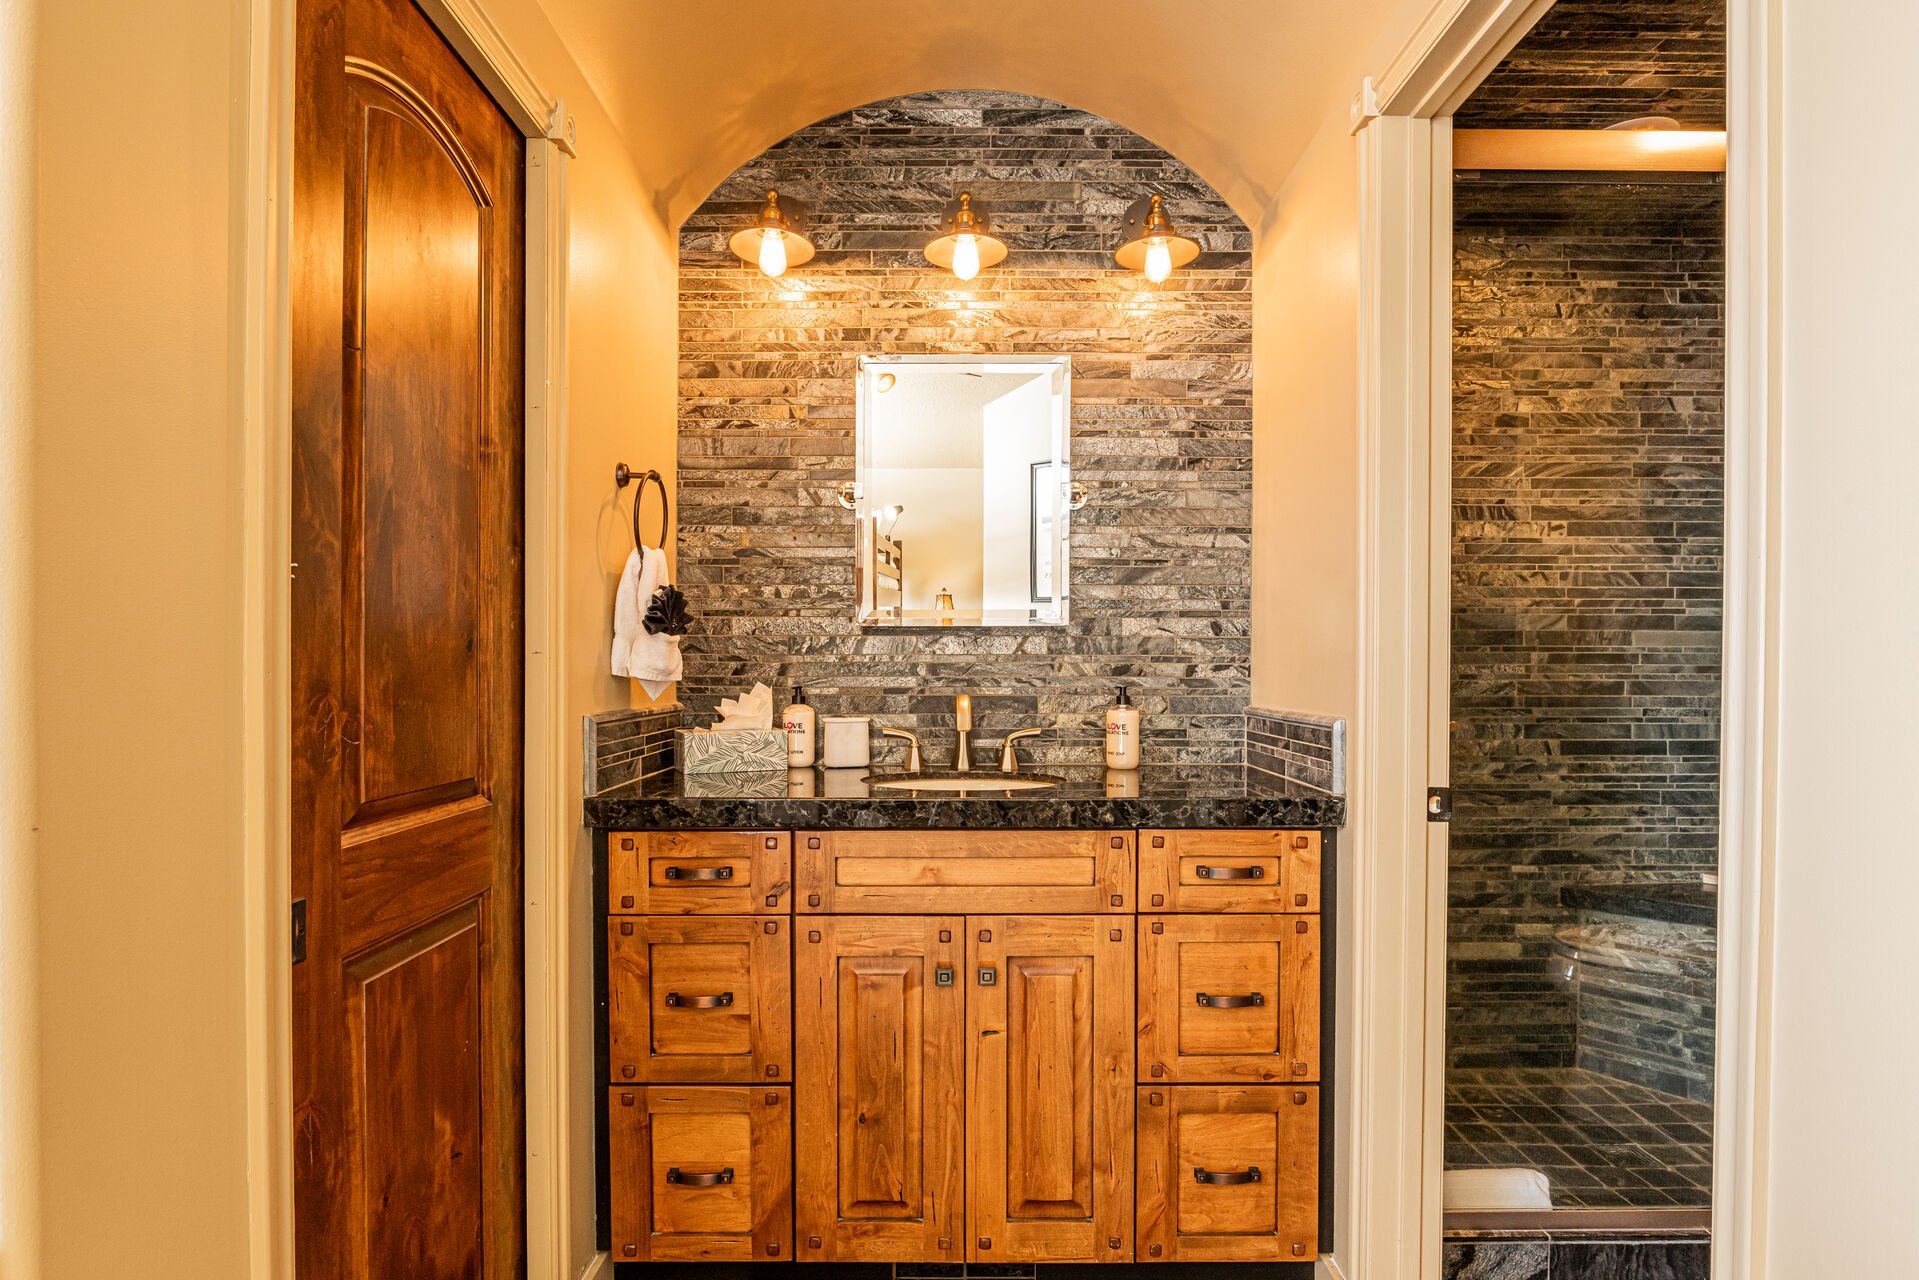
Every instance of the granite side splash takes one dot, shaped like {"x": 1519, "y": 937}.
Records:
{"x": 623, "y": 746}
{"x": 1161, "y": 427}
{"x": 1297, "y": 748}
{"x": 1562, "y": 1259}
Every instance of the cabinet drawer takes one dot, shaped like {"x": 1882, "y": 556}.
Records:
{"x": 700, "y": 1174}
{"x": 1229, "y": 998}
{"x": 698, "y": 999}
{"x": 906, "y": 872}
{"x": 1229, "y": 871}
{"x": 699, "y": 873}
{"x": 1228, "y": 1174}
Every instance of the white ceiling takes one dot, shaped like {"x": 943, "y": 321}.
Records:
{"x": 1235, "y": 88}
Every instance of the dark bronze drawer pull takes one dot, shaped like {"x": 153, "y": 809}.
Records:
{"x": 1224, "y": 1178}
{"x": 674, "y": 1000}
{"x": 1205, "y": 1001}
{"x": 1205, "y": 872}
{"x": 698, "y": 873}
{"x": 723, "y": 1177}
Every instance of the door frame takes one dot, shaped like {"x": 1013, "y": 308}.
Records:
{"x": 262, "y": 246}
{"x": 1401, "y": 119}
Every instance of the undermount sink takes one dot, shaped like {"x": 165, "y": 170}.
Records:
{"x": 961, "y": 781}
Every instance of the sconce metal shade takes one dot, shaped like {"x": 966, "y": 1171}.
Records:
{"x": 789, "y": 218}
{"x": 961, "y": 218}
{"x": 1146, "y": 222}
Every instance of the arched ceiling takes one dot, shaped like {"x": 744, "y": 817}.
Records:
{"x": 1235, "y": 88}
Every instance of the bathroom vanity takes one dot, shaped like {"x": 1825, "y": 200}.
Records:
{"x": 1055, "y": 1025}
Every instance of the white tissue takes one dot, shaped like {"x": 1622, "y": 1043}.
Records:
{"x": 752, "y": 710}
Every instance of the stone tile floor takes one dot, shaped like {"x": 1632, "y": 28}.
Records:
{"x": 1604, "y": 1144}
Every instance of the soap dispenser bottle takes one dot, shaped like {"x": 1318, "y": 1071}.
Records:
{"x": 799, "y": 722}
{"x": 1122, "y": 733}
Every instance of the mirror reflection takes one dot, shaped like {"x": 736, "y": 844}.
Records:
{"x": 964, "y": 490}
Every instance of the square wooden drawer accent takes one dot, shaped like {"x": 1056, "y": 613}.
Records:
{"x": 701, "y": 1174}
{"x": 704, "y": 999}
{"x": 705, "y": 873}
{"x": 1229, "y": 871}
{"x": 910, "y": 872}
{"x": 1233, "y": 999}
{"x": 1228, "y": 1174}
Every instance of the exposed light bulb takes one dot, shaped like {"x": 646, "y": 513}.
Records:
{"x": 773, "y": 252}
{"x": 965, "y": 256}
{"x": 1159, "y": 259}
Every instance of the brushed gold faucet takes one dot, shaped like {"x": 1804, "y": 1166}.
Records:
{"x": 963, "y": 740}
{"x": 1009, "y": 754}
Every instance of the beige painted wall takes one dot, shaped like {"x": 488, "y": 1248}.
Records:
{"x": 1305, "y": 434}
{"x": 122, "y": 1088}
{"x": 1841, "y": 1036}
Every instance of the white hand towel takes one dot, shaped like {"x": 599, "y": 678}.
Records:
{"x": 652, "y": 660}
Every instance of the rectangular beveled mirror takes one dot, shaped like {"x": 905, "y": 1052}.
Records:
{"x": 964, "y": 491}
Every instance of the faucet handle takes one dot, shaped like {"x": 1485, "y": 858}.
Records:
{"x": 1009, "y": 754}
{"x": 912, "y": 746}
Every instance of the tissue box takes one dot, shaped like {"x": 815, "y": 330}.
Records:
{"x": 732, "y": 750}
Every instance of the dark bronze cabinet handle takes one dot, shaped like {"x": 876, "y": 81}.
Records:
{"x": 724, "y": 1176}
{"x": 1205, "y": 1001}
{"x": 1225, "y": 1178}
{"x": 698, "y": 873}
{"x": 674, "y": 1000}
{"x": 1205, "y": 872}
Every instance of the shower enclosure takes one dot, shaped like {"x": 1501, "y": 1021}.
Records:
{"x": 1587, "y": 533}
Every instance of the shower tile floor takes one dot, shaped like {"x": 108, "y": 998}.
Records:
{"x": 1603, "y": 1143}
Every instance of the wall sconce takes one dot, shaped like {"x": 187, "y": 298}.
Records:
{"x": 965, "y": 243}
{"x": 1151, "y": 245}
{"x": 776, "y": 240}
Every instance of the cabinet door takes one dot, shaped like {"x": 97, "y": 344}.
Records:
{"x": 1049, "y": 1137}
{"x": 1229, "y": 998}
{"x": 700, "y": 1174}
{"x": 879, "y": 1061}
{"x": 697, "y": 999}
{"x": 1228, "y": 1174}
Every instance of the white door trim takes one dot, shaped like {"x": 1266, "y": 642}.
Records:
{"x": 1405, "y": 400}
{"x": 264, "y": 179}
{"x": 1438, "y": 67}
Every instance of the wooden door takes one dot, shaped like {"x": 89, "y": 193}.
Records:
{"x": 1228, "y": 1174}
{"x": 1229, "y": 998}
{"x": 406, "y": 660}
{"x": 878, "y": 1070}
{"x": 1049, "y": 1133}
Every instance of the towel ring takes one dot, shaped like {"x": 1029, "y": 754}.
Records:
{"x": 622, "y": 476}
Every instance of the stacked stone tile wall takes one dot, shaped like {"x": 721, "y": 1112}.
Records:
{"x": 1587, "y": 543}
{"x": 1161, "y": 425}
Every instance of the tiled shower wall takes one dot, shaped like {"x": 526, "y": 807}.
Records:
{"x": 1161, "y": 421}
{"x": 1588, "y": 509}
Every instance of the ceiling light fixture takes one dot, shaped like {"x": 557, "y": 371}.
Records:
{"x": 1152, "y": 245}
{"x": 777, "y": 239}
{"x": 965, "y": 245}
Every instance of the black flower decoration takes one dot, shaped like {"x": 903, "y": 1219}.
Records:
{"x": 666, "y": 612}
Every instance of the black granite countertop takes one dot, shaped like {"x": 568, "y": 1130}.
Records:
{"x": 1679, "y": 902}
{"x": 839, "y": 799}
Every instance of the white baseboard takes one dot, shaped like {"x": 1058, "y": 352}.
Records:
{"x": 600, "y": 1266}
{"x": 1329, "y": 1268}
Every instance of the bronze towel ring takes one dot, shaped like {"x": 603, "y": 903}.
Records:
{"x": 622, "y": 476}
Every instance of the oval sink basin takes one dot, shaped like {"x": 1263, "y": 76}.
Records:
{"x": 961, "y": 781}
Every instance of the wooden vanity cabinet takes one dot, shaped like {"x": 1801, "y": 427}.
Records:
{"x": 963, "y": 1046}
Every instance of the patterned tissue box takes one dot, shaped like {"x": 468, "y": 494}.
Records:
{"x": 732, "y": 750}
